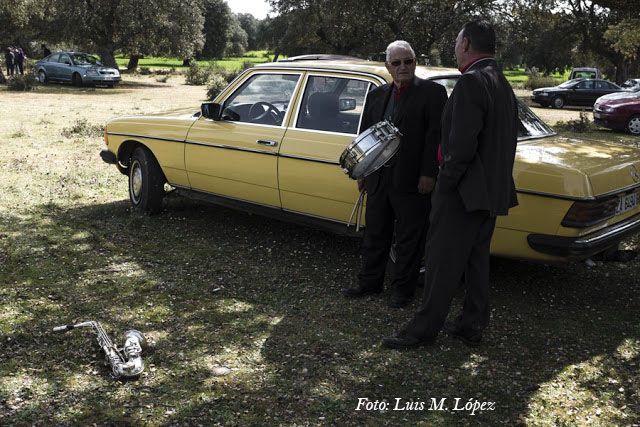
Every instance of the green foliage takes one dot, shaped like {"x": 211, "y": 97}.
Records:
{"x": 236, "y": 38}
{"x": 581, "y": 125}
{"x": 198, "y": 76}
{"x": 536, "y": 81}
{"x": 624, "y": 38}
{"x": 217, "y": 83}
{"x": 22, "y": 82}
{"x": 217, "y": 21}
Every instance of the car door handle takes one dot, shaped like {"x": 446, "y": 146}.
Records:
{"x": 267, "y": 142}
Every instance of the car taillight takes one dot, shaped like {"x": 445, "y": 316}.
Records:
{"x": 586, "y": 213}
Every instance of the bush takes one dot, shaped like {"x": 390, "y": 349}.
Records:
{"x": 216, "y": 85}
{"x": 82, "y": 127}
{"x": 538, "y": 81}
{"x": 583, "y": 124}
{"x": 144, "y": 71}
{"x": 21, "y": 82}
{"x": 163, "y": 79}
{"x": 198, "y": 76}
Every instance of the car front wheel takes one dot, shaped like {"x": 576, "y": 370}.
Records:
{"x": 76, "y": 80}
{"x": 633, "y": 125}
{"x": 42, "y": 77}
{"x": 558, "y": 102}
{"x": 146, "y": 182}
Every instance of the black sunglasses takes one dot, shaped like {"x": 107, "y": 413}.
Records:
{"x": 397, "y": 62}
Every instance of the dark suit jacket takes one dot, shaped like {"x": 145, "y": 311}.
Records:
{"x": 479, "y": 137}
{"x": 418, "y": 117}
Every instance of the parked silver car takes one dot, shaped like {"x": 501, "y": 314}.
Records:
{"x": 77, "y": 68}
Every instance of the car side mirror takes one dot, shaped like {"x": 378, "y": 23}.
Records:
{"x": 211, "y": 110}
{"x": 347, "y": 104}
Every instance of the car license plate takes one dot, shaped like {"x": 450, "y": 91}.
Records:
{"x": 626, "y": 203}
{"x": 597, "y": 115}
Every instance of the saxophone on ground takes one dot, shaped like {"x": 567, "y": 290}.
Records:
{"x": 125, "y": 362}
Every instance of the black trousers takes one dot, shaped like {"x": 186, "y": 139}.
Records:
{"x": 409, "y": 212}
{"x": 457, "y": 244}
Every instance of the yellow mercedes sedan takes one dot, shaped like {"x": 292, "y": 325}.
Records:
{"x": 271, "y": 141}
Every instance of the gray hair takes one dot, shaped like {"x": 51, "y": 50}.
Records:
{"x": 399, "y": 44}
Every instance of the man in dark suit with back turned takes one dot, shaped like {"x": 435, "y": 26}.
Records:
{"x": 475, "y": 184}
{"x": 400, "y": 191}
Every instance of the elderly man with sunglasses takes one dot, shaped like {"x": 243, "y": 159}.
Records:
{"x": 398, "y": 194}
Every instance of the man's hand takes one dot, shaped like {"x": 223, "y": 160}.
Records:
{"x": 425, "y": 184}
{"x": 360, "y": 184}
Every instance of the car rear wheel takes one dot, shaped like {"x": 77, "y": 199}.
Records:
{"x": 633, "y": 125}
{"x": 146, "y": 182}
{"x": 42, "y": 77}
{"x": 557, "y": 102}
{"x": 76, "y": 80}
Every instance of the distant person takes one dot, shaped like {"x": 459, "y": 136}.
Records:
{"x": 9, "y": 59}
{"x": 45, "y": 50}
{"x": 19, "y": 58}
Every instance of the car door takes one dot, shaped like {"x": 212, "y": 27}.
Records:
{"x": 236, "y": 157}
{"x": 327, "y": 119}
{"x": 582, "y": 93}
{"x": 64, "y": 68}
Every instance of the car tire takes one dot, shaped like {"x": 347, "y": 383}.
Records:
{"x": 146, "y": 182}
{"x": 42, "y": 77}
{"x": 557, "y": 102}
{"x": 633, "y": 125}
{"x": 76, "y": 80}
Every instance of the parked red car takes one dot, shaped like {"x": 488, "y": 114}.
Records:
{"x": 619, "y": 113}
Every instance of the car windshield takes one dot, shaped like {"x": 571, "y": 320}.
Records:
{"x": 569, "y": 83}
{"x": 84, "y": 59}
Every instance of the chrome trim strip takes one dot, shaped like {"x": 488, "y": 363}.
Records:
{"x": 599, "y": 196}
{"x": 309, "y": 159}
{"x": 230, "y": 147}
{"x": 615, "y": 229}
{"x": 311, "y": 67}
{"x": 146, "y": 136}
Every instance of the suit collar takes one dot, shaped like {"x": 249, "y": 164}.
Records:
{"x": 482, "y": 62}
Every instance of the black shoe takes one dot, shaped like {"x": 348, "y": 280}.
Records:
{"x": 360, "y": 291}
{"x": 473, "y": 339}
{"x": 405, "y": 340}
{"x": 399, "y": 301}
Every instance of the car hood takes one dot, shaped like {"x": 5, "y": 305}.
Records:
{"x": 619, "y": 102}
{"x": 619, "y": 95}
{"x": 571, "y": 167}
{"x": 173, "y": 124}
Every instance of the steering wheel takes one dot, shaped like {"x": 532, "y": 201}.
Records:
{"x": 258, "y": 113}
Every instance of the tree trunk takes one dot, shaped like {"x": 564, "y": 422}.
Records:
{"x": 107, "y": 57}
{"x": 133, "y": 62}
{"x": 622, "y": 71}
{"x": 186, "y": 62}
{"x": 3, "y": 80}
{"x": 276, "y": 54}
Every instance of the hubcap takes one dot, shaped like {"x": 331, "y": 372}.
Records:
{"x": 41, "y": 76}
{"x": 634, "y": 125}
{"x": 135, "y": 182}
{"x": 558, "y": 102}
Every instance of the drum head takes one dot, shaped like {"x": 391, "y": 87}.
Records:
{"x": 375, "y": 158}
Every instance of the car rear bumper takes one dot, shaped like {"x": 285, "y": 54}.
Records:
{"x": 585, "y": 246}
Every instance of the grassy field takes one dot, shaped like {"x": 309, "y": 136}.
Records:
{"x": 231, "y": 63}
{"x": 243, "y": 315}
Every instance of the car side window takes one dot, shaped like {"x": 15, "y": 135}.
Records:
{"x": 54, "y": 57}
{"x": 588, "y": 84}
{"x": 262, "y": 99}
{"x": 332, "y": 104}
{"x": 64, "y": 59}
{"x": 602, "y": 85}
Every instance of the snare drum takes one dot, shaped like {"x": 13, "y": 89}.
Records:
{"x": 370, "y": 150}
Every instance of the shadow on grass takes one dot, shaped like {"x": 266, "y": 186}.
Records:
{"x": 210, "y": 287}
